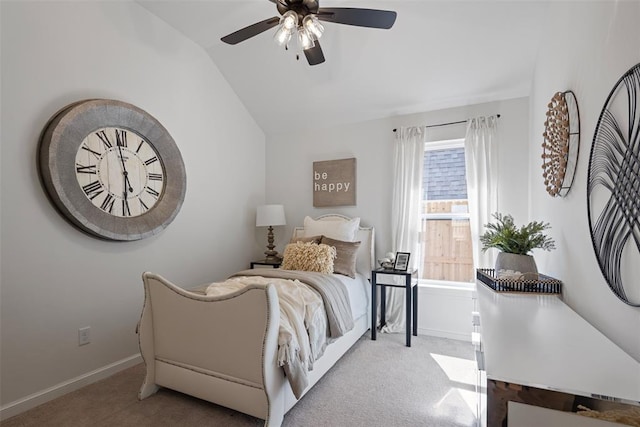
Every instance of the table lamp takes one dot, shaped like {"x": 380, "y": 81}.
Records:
{"x": 270, "y": 216}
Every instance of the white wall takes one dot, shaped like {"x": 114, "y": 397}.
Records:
{"x": 290, "y": 157}
{"x": 442, "y": 312}
{"x": 589, "y": 45}
{"x": 55, "y": 279}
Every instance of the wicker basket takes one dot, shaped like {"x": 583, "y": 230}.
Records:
{"x": 542, "y": 285}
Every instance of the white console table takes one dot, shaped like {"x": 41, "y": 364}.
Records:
{"x": 535, "y": 344}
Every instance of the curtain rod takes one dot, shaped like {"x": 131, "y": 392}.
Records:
{"x": 447, "y": 124}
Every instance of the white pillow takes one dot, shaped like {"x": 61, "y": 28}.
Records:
{"x": 338, "y": 230}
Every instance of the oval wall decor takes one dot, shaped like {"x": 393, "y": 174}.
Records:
{"x": 561, "y": 143}
{"x": 613, "y": 189}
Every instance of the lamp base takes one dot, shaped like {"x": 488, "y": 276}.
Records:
{"x": 271, "y": 254}
{"x": 275, "y": 258}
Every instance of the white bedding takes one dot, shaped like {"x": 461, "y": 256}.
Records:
{"x": 303, "y": 323}
{"x": 303, "y": 333}
{"x": 359, "y": 293}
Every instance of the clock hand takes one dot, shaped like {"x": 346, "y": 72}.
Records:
{"x": 124, "y": 190}
{"x": 127, "y": 183}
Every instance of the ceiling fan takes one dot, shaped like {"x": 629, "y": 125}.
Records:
{"x": 302, "y": 18}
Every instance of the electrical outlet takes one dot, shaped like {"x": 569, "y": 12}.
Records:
{"x": 84, "y": 335}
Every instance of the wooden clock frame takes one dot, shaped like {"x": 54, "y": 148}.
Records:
{"x": 59, "y": 143}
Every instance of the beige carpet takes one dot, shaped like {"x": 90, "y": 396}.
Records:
{"x": 377, "y": 383}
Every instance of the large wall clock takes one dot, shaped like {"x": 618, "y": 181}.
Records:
{"x": 112, "y": 169}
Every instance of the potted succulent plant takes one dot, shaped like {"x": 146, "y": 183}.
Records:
{"x": 515, "y": 243}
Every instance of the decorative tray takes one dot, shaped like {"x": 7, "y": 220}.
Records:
{"x": 542, "y": 285}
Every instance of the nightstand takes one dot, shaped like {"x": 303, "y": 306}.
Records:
{"x": 265, "y": 264}
{"x": 411, "y": 300}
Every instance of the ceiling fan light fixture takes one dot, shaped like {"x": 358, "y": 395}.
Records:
{"x": 282, "y": 36}
{"x": 289, "y": 20}
{"x": 305, "y": 40}
{"x": 313, "y": 26}
{"x": 303, "y": 17}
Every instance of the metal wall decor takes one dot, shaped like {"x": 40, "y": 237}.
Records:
{"x": 613, "y": 188}
{"x": 561, "y": 143}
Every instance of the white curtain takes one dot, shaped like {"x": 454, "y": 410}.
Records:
{"x": 481, "y": 157}
{"x": 405, "y": 214}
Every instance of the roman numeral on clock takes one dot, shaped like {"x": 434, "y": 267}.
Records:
{"x": 95, "y": 153}
{"x": 105, "y": 140}
{"x": 107, "y": 204}
{"x": 153, "y": 192}
{"x": 151, "y": 160}
{"x": 155, "y": 177}
{"x": 121, "y": 138}
{"x": 143, "y": 207}
{"x": 91, "y": 169}
{"x": 93, "y": 189}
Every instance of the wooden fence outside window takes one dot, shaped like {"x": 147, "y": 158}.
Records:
{"x": 446, "y": 243}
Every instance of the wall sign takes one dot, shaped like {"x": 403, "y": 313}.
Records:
{"x": 334, "y": 183}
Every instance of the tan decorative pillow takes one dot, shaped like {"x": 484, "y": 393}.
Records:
{"x": 312, "y": 239}
{"x": 346, "y": 256}
{"x": 308, "y": 257}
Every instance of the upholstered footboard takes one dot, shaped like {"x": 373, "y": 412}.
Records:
{"x": 221, "y": 349}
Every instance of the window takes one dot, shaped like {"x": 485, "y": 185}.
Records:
{"x": 445, "y": 231}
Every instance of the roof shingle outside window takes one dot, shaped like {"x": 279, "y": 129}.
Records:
{"x": 444, "y": 175}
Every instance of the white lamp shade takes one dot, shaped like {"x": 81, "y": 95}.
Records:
{"x": 270, "y": 215}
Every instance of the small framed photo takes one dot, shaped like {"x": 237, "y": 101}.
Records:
{"x": 402, "y": 261}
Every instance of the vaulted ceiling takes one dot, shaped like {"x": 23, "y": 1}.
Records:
{"x": 439, "y": 54}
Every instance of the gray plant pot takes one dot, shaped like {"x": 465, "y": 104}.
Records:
{"x": 525, "y": 264}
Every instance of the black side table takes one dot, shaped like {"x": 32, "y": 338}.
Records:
{"x": 411, "y": 301}
{"x": 265, "y": 263}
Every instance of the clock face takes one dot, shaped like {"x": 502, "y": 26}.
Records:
{"x": 111, "y": 169}
{"x": 119, "y": 172}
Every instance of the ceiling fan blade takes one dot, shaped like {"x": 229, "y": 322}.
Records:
{"x": 372, "y": 18}
{"x": 314, "y": 54}
{"x": 250, "y": 31}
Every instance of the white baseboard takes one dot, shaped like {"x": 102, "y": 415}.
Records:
{"x": 445, "y": 334}
{"x": 17, "y": 407}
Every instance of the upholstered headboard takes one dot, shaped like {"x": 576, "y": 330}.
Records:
{"x": 365, "y": 257}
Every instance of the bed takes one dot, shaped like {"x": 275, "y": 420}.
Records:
{"x": 225, "y": 348}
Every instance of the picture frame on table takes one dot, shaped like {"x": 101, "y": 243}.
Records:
{"x": 402, "y": 261}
